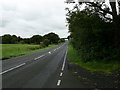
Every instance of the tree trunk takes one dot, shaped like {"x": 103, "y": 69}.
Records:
{"x": 116, "y": 24}
{"x": 118, "y": 6}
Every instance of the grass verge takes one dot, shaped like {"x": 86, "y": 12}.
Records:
{"x": 13, "y": 50}
{"x": 94, "y": 66}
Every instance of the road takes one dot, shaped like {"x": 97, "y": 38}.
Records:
{"x": 42, "y": 69}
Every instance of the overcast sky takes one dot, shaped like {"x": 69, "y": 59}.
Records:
{"x": 26, "y": 18}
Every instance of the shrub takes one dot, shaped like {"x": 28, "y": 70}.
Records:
{"x": 46, "y": 42}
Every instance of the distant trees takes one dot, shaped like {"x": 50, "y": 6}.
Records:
{"x": 50, "y": 38}
{"x": 8, "y": 39}
{"x": 26, "y": 41}
{"x": 61, "y": 40}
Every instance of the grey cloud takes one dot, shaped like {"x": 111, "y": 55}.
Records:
{"x": 28, "y": 17}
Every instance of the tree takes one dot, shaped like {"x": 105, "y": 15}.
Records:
{"x": 19, "y": 39}
{"x": 7, "y": 39}
{"x": 103, "y": 10}
{"x": 91, "y": 35}
{"x": 54, "y": 38}
{"x": 116, "y": 22}
{"x": 36, "y": 39}
{"x": 14, "y": 39}
{"x": 69, "y": 37}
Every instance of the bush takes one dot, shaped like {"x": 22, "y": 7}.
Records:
{"x": 46, "y": 42}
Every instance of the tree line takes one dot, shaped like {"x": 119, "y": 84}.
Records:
{"x": 94, "y": 35}
{"x": 50, "y": 38}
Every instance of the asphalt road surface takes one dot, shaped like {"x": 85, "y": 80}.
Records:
{"x": 42, "y": 69}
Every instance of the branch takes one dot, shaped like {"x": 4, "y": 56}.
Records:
{"x": 93, "y": 4}
{"x": 98, "y": 6}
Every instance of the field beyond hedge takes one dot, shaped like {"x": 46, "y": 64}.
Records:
{"x": 13, "y": 50}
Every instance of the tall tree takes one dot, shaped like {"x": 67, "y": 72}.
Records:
{"x": 103, "y": 10}
{"x": 54, "y": 38}
{"x": 91, "y": 32}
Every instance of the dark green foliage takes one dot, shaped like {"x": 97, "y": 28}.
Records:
{"x": 46, "y": 42}
{"x": 36, "y": 39}
{"x": 14, "y": 39}
{"x": 92, "y": 37}
{"x": 19, "y": 39}
{"x": 8, "y": 39}
{"x": 50, "y": 38}
{"x": 27, "y": 40}
{"x": 61, "y": 40}
{"x": 69, "y": 37}
{"x": 0, "y": 39}
{"x": 54, "y": 38}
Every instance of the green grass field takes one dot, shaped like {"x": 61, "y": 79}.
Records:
{"x": 93, "y": 65}
{"x": 13, "y": 50}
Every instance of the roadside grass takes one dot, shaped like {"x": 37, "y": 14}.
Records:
{"x": 94, "y": 66}
{"x": 13, "y": 50}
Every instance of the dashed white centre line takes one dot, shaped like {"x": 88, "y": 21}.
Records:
{"x": 39, "y": 57}
{"x": 49, "y": 52}
{"x": 61, "y": 74}
{"x": 12, "y": 68}
{"x": 58, "y": 83}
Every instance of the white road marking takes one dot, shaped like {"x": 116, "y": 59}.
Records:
{"x": 58, "y": 83}
{"x": 12, "y": 68}
{"x": 61, "y": 74}
{"x": 58, "y": 48}
{"x": 36, "y": 58}
{"x": 54, "y": 49}
{"x": 39, "y": 57}
{"x": 49, "y": 52}
{"x": 64, "y": 61}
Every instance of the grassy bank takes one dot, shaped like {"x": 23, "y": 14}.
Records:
{"x": 93, "y": 65}
{"x": 13, "y": 50}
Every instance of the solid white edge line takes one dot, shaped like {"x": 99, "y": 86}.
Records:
{"x": 58, "y": 83}
{"x": 64, "y": 61}
{"x": 12, "y": 68}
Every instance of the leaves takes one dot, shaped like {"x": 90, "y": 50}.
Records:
{"x": 92, "y": 37}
